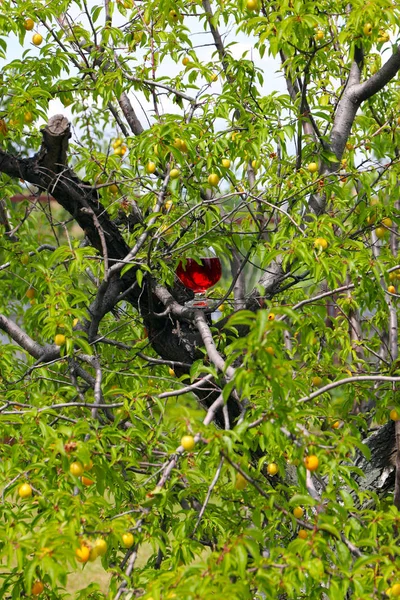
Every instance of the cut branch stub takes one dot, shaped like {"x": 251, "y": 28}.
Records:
{"x": 53, "y": 153}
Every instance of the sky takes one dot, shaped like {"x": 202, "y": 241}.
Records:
{"x": 273, "y": 81}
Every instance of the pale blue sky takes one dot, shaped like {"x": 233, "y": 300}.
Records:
{"x": 273, "y": 80}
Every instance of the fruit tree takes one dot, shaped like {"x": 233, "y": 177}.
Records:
{"x": 248, "y": 447}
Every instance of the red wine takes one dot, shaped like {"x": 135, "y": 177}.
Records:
{"x": 199, "y": 276}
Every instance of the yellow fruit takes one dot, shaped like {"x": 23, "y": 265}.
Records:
{"x": 319, "y": 35}
{"x": 118, "y": 151}
{"x": 174, "y": 173}
{"x": 213, "y": 179}
{"x": 372, "y": 217}
{"x": 37, "y": 39}
{"x": 188, "y": 442}
{"x": 394, "y": 415}
{"x": 298, "y": 512}
{"x": 150, "y": 167}
{"x": 86, "y": 481}
{"x": 127, "y": 540}
{"x": 226, "y": 163}
{"x": 171, "y": 372}
{"x": 29, "y": 24}
{"x": 76, "y": 469}
{"x": 25, "y": 259}
{"x": 336, "y": 425}
{"x": 25, "y": 490}
{"x": 174, "y": 15}
{"x": 75, "y": 322}
{"x": 185, "y": 61}
{"x": 60, "y": 339}
{"x": 395, "y": 590}
{"x": 272, "y": 469}
{"x": 271, "y": 316}
{"x": 303, "y": 535}
{"x": 311, "y": 462}
{"x": 123, "y": 150}
{"x": 113, "y": 188}
{"x": 28, "y": 117}
{"x": 380, "y": 232}
{"x": 240, "y": 482}
{"x": 316, "y": 381}
{"x": 312, "y": 167}
{"x": 93, "y": 554}
{"x": 251, "y": 4}
{"x": 82, "y": 554}
{"x": 117, "y": 143}
{"x": 321, "y": 244}
{"x": 269, "y": 350}
{"x": 30, "y": 293}
{"x": 89, "y": 466}
{"x": 213, "y": 77}
{"x": 387, "y": 222}
{"x": 178, "y": 143}
{"x": 391, "y": 289}
{"x": 168, "y": 205}
{"x": 101, "y": 546}
{"x": 37, "y": 588}
{"x": 383, "y": 36}
{"x": 367, "y": 29}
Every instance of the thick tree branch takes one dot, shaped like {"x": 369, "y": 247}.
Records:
{"x": 208, "y": 341}
{"x": 27, "y": 343}
{"x": 130, "y": 115}
{"x": 377, "y": 82}
{"x": 215, "y": 33}
{"x": 356, "y": 93}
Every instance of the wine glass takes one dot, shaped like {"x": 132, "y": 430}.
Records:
{"x": 199, "y": 275}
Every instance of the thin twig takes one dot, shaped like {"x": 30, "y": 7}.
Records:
{"x": 345, "y": 381}
{"x": 208, "y": 496}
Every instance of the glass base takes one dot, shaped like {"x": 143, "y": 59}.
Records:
{"x": 200, "y": 303}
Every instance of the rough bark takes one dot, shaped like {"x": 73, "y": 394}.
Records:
{"x": 379, "y": 471}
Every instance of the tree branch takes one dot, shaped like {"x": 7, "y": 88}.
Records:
{"x": 215, "y": 33}
{"x": 377, "y": 82}
{"x": 26, "y": 342}
{"x": 206, "y": 336}
{"x": 130, "y": 115}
